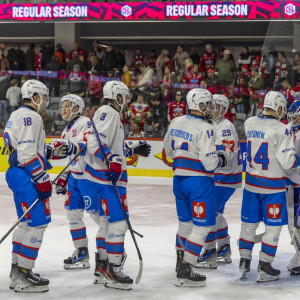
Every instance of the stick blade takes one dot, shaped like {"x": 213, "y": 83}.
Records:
{"x": 139, "y": 275}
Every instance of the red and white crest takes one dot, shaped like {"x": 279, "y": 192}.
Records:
{"x": 199, "y": 210}
{"x": 24, "y": 208}
{"x": 67, "y": 199}
{"x": 47, "y": 206}
{"x": 105, "y": 206}
{"x": 74, "y": 132}
{"x": 274, "y": 211}
{"x": 124, "y": 200}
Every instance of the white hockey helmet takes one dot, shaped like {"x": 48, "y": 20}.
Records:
{"x": 76, "y": 101}
{"x": 223, "y": 101}
{"x": 197, "y": 96}
{"x": 293, "y": 114}
{"x": 274, "y": 100}
{"x": 112, "y": 89}
{"x": 31, "y": 87}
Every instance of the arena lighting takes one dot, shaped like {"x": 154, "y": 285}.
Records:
{"x": 151, "y": 11}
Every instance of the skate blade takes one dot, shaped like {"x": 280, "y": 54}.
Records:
{"x": 12, "y": 284}
{"x": 118, "y": 286}
{"x": 99, "y": 279}
{"x": 243, "y": 273}
{"x": 263, "y": 277}
{"x": 189, "y": 283}
{"x": 31, "y": 289}
{"x": 206, "y": 265}
{"x": 79, "y": 265}
{"x": 293, "y": 273}
{"x": 224, "y": 260}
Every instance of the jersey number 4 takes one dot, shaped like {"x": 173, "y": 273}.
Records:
{"x": 261, "y": 156}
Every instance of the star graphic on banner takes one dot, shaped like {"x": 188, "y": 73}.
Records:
{"x": 162, "y": 156}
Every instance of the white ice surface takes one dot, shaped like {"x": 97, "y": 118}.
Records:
{"x": 153, "y": 214}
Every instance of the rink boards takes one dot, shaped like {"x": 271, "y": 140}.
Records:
{"x": 156, "y": 165}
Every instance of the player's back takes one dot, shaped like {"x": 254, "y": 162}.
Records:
{"x": 270, "y": 149}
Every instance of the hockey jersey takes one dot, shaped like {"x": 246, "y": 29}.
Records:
{"x": 270, "y": 150}
{"x": 74, "y": 132}
{"x": 111, "y": 133}
{"x": 177, "y": 109}
{"x": 190, "y": 143}
{"x": 137, "y": 108}
{"x": 208, "y": 60}
{"x": 231, "y": 174}
{"x": 24, "y": 135}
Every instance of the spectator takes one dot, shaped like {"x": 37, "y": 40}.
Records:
{"x": 139, "y": 111}
{"x": 226, "y": 69}
{"x": 24, "y": 79}
{"x": 54, "y": 81}
{"x": 152, "y": 59}
{"x": 47, "y": 53}
{"x": 77, "y": 82}
{"x": 38, "y": 58}
{"x": 177, "y": 107}
{"x": 288, "y": 92}
{"x": 160, "y": 63}
{"x": 79, "y": 51}
{"x": 61, "y": 55}
{"x": 134, "y": 91}
{"x": 5, "y": 66}
{"x": 110, "y": 59}
{"x": 126, "y": 78}
{"x": 260, "y": 103}
{"x": 47, "y": 121}
{"x": 3, "y": 47}
{"x": 296, "y": 68}
{"x": 179, "y": 62}
{"x": 208, "y": 58}
{"x": 136, "y": 131}
{"x": 16, "y": 58}
{"x": 13, "y": 95}
{"x": 256, "y": 81}
{"x": 138, "y": 59}
{"x": 158, "y": 118}
{"x": 152, "y": 91}
{"x": 120, "y": 58}
{"x": 30, "y": 58}
{"x": 213, "y": 82}
{"x": 242, "y": 97}
{"x": 167, "y": 85}
{"x": 221, "y": 53}
{"x": 244, "y": 58}
{"x": 188, "y": 65}
{"x": 75, "y": 61}
{"x": 281, "y": 70}
{"x": 94, "y": 89}
{"x": 246, "y": 74}
{"x": 193, "y": 78}
{"x": 58, "y": 125}
{"x": 4, "y": 105}
{"x": 194, "y": 55}
{"x": 145, "y": 77}
{"x": 168, "y": 62}
{"x": 96, "y": 50}
{"x": 231, "y": 113}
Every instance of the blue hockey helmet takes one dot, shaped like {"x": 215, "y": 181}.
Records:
{"x": 294, "y": 113}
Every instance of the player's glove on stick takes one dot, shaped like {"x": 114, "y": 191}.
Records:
{"x": 43, "y": 185}
{"x": 62, "y": 183}
{"x": 222, "y": 156}
{"x": 115, "y": 168}
{"x": 56, "y": 150}
{"x": 72, "y": 148}
{"x": 138, "y": 148}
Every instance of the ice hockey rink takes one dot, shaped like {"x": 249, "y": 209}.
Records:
{"x": 152, "y": 213}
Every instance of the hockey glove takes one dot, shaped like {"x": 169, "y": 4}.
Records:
{"x": 62, "y": 183}
{"x": 222, "y": 155}
{"x": 115, "y": 168}
{"x": 43, "y": 185}
{"x": 56, "y": 150}
{"x": 138, "y": 148}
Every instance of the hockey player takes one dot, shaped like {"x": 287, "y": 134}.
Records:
{"x": 112, "y": 227}
{"x": 78, "y": 196}
{"x": 189, "y": 142}
{"x": 227, "y": 179}
{"x": 27, "y": 177}
{"x": 270, "y": 150}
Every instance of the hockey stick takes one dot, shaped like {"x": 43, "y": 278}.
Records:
{"x": 138, "y": 278}
{"x": 36, "y": 201}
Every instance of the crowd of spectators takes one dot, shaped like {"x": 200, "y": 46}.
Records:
{"x": 158, "y": 83}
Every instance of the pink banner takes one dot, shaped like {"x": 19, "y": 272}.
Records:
{"x": 147, "y": 11}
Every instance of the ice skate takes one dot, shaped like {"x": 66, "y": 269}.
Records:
{"x": 187, "y": 278}
{"x": 207, "y": 260}
{"x": 13, "y": 276}
{"x": 244, "y": 267}
{"x": 29, "y": 282}
{"x": 224, "y": 254}
{"x": 180, "y": 254}
{"x": 100, "y": 269}
{"x": 266, "y": 272}
{"x": 295, "y": 271}
{"x": 116, "y": 279}
{"x": 79, "y": 260}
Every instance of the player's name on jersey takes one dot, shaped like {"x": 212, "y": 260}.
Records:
{"x": 255, "y": 134}
{"x": 182, "y": 134}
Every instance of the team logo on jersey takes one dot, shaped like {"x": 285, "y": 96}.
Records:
{"x": 229, "y": 144}
{"x": 47, "y": 206}
{"x": 24, "y": 208}
{"x": 74, "y": 132}
{"x": 274, "y": 211}
{"x": 124, "y": 200}
{"x": 199, "y": 210}
{"x": 105, "y": 206}
{"x": 67, "y": 199}
{"x": 87, "y": 202}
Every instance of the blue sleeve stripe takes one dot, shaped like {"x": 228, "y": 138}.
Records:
{"x": 220, "y": 147}
{"x": 297, "y": 161}
{"x": 33, "y": 166}
{"x": 81, "y": 146}
{"x": 106, "y": 150}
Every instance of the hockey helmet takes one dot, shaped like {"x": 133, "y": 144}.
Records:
{"x": 32, "y": 87}
{"x": 274, "y": 100}
{"x": 113, "y": 89}
{"x": 197, "y": 96}
{"x": 76, "y": 101}
{"x": 294, "y": 113}
{"x": 223, "y": 102}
